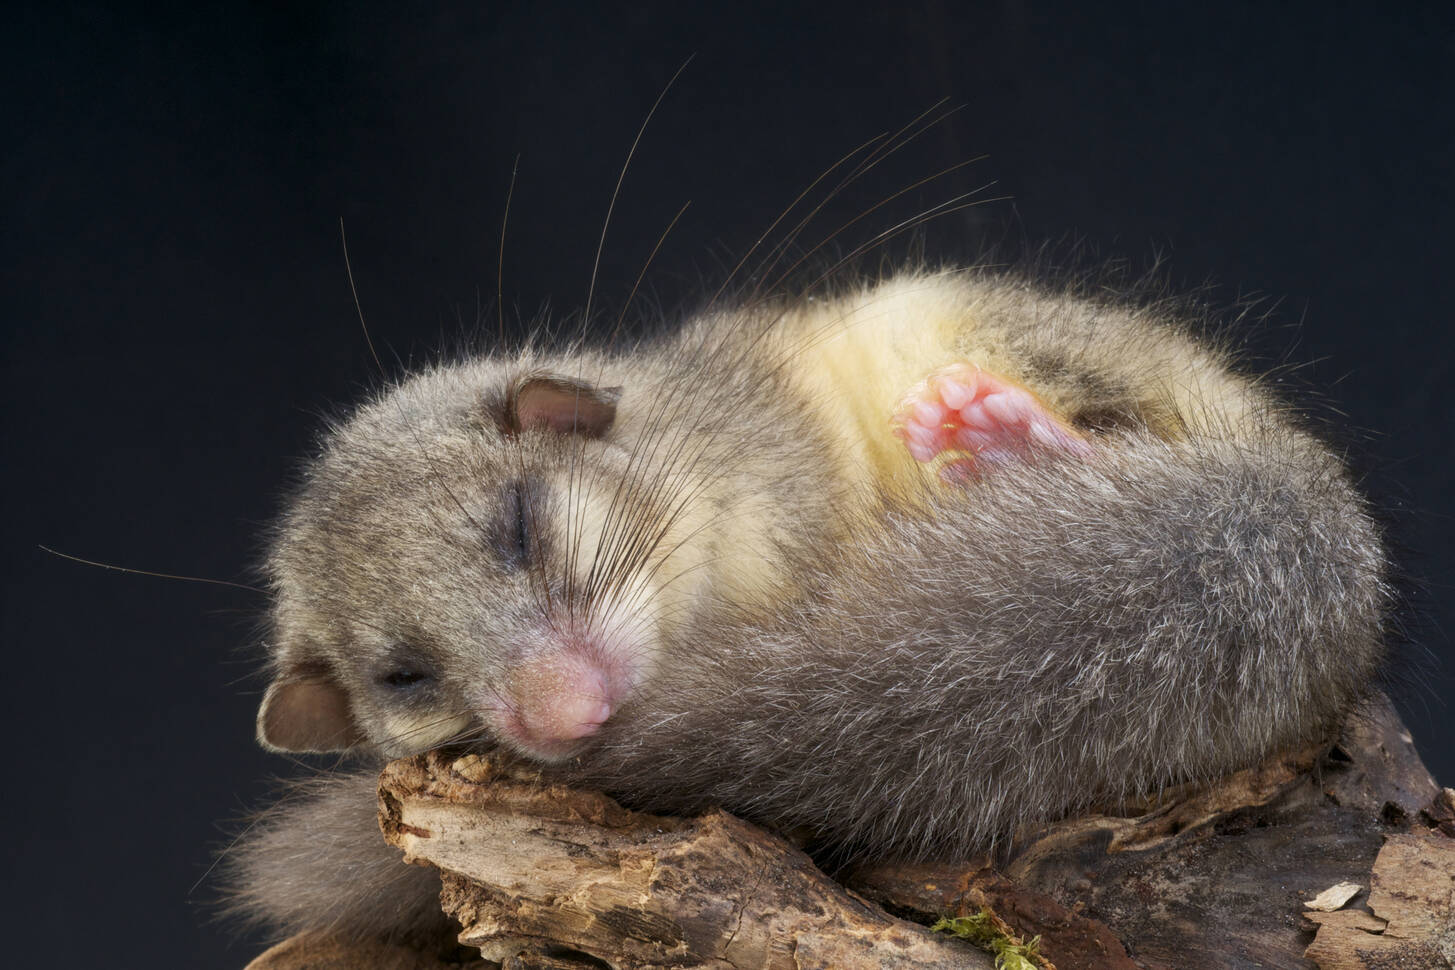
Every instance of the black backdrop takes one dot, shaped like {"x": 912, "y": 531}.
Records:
{"x": 178, "y": 312}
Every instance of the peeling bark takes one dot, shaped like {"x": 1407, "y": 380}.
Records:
{"x": 528, "y": 865}
{"x": 545, "y": 877}
{"x": 1409, "y": 919}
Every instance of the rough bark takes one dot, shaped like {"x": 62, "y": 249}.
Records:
{"x": 535, "y": 867}
{"x": 1221, "y": 876}
{"x": 1409, "y": 921}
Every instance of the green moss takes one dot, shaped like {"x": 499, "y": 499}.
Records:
{"x": 984, "y": 931}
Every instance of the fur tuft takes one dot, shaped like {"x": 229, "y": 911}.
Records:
{"x": 315, "y": 861}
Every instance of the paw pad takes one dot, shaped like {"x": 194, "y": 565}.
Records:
{"x": 962, "y": 408}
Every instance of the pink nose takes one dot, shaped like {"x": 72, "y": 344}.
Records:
{"x": 580, "y": 716}
{"x": 559, "y": 698}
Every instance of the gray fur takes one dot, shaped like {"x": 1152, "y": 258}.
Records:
{"x": 922, "y": 671}
{"x": 1165, "y": 613}
{"x": 316, "y": 861}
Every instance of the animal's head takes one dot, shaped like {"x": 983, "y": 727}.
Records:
{"x": 478, "y": 553}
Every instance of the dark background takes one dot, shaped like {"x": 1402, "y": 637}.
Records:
{"x": 178, "y": 312}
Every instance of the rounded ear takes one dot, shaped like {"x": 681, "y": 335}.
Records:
{"x": 305, "y": 711}
{"x": 560, "y": 404}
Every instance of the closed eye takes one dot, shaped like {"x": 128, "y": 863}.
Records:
{"x": 517, "y": 533}
{"x": 522, "y": 528}
{"x": 404, "y": 678}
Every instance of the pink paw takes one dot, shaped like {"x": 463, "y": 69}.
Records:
{"x": 965, "y": 409}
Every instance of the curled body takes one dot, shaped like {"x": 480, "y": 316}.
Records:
{"x": 907, "y": 565}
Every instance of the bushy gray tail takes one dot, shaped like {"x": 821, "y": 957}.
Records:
{"x": 1064, "y": 632}
{"x": 315, "y": 860}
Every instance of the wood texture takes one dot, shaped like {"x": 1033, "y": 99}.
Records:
{"x": 548, "y": 877}
{"x": 528, "y": 865}
{"x": 1410, "y": 918}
